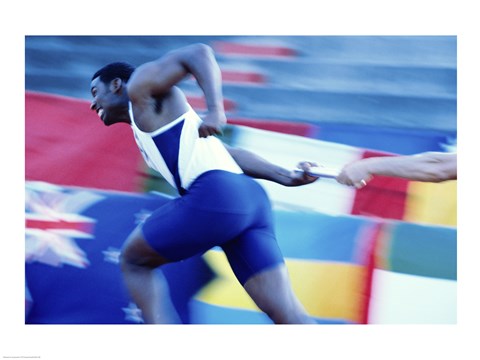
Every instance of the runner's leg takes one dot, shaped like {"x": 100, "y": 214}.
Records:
{"x": 271, "y": 290}
{"x": 145, "y": 283}
{"x": 257, "y": 262}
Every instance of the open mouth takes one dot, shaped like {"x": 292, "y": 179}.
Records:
{"x": 100, "y": 113}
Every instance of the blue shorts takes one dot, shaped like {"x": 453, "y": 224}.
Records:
{"x": 219, "y": 209}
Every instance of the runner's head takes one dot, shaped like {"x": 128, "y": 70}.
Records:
{"x": 108, "y": 88}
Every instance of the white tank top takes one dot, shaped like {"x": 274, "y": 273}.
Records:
{"x": 179, "y": 154}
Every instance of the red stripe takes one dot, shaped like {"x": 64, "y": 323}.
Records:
{"x": 369, "y": 268}
{"x": 243, "y": 77}
{"x": 59, "y": 224}
{"x": 229, "y": 48}
{"x": 66, "y": 144}
{"x": 384, "y": 197}
{"x": 285, "y": 127}
{"x": 198, "y": 103}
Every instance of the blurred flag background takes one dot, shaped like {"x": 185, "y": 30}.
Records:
{"x": 385, "y": 254}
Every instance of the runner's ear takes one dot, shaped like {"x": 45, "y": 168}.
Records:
{"x": 115, "y": 85}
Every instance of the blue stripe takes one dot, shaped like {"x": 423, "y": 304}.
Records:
{"x": 168, "y": 143}
{"x": 317, "y": 236}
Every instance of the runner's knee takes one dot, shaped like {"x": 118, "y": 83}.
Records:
{"x": 137, "y": 253}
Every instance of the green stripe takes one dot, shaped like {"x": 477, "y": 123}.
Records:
{"x": 423, "y": 250}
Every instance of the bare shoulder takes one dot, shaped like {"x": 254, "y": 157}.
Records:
{"x": 138, "y": 85}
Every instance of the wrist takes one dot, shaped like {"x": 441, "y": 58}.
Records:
{"x": 283, "y": 176}
{"x": 216, "y": 108}
{"x": 368, "y": 166}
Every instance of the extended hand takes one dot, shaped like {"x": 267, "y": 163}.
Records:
{"x": 354, "y": 174}
{"x": 299, "y": 178}
{"x": 306, "y": 165}
{"x": 213, "y": 124}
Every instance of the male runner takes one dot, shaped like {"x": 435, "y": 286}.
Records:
{"x": 220, "y": 203}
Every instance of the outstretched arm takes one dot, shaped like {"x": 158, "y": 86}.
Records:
{"x": 428, "y": 167}
{"x": 260, "y": 168}
{"x": 157, "y": 78}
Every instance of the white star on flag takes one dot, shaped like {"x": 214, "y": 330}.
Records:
{"x": 111, "y": 255}
{"x": 141, "y": 216}
{"x": 133, "y": 313}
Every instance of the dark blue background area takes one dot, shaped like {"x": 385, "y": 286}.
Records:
{"x": 389, "y": 93}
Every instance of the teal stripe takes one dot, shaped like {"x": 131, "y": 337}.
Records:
{"x": 424, "y": 250}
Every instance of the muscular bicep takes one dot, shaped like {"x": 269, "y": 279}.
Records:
{"x": 157, "y": 77}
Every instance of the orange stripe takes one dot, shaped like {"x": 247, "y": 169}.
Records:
{"x": 383, "y": 247}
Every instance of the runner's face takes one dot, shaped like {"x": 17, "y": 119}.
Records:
{"x": 102, "y": 101}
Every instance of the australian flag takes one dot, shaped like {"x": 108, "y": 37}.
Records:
{"x": 73, "y": 239}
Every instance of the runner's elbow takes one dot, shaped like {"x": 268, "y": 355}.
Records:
{"x": 201, "y": 49}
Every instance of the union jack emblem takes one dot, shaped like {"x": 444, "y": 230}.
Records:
{"x": 53, "y": 222}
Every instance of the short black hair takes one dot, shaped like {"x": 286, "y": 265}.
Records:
{"x": 114, "y": 70}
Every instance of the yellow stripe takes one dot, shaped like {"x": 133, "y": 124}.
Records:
{"x": 327, "y": 290}
{"x": 224, "y": 290}
{"x": 432, "y": 203}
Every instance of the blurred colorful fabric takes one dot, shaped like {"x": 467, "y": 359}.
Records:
{"x": 336, "y": 240}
